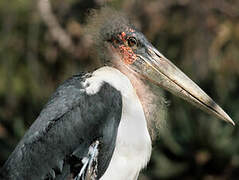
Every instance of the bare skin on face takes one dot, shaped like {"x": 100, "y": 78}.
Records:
{"x": 124, "y": 50}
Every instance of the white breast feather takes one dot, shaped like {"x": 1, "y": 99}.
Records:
{"x": 133, "y": 143}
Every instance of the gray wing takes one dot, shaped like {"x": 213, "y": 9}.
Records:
{"x": 60, "y": 137}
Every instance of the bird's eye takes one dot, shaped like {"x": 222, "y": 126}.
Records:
{"x": 132, "y": 42}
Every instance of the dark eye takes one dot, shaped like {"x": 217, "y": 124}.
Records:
{"x": 132, "y": 42}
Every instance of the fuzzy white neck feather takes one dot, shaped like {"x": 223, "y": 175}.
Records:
{"x": 150, "y": 96}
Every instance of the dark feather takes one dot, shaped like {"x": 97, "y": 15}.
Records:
{"x": 63, "y": 132}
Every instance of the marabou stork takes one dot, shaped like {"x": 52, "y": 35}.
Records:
{"x": 94, "y": 125}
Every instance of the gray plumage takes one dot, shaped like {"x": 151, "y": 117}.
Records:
{"x": 69, "y": 123}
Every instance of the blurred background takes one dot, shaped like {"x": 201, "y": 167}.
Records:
{"x": 42, "y": 43}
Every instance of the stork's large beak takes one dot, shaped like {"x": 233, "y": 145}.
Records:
{"x": 153, "y": 66}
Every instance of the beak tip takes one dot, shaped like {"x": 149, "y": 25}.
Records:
{"x": 232, "y": 122}
{"x": 228, "y": 119}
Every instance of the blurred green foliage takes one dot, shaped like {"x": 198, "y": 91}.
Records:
{"x": 200, "y": 37}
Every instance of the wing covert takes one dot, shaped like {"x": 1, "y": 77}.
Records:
{"x": 64, "y": 130}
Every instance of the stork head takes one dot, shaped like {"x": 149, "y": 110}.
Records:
{"x": 136, "y": 54}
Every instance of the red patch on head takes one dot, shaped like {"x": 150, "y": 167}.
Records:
{"x": 128, "y": 54}
{"x": 122, "y": 36}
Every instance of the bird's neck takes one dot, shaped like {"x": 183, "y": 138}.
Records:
{"x": 151, "y": 100}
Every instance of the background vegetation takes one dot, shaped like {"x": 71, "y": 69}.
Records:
{"x": 40, "y": 48}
